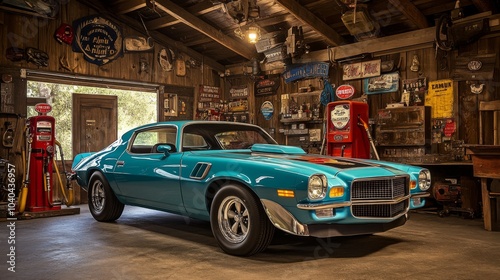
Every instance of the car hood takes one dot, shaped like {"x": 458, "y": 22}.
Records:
{"x": 293, "y": 158}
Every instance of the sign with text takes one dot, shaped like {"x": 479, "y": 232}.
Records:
{"x": 306, "y": 71}
{"x": 345, "y": 91}
{"x": 43, "y": 108}
{"x": 361, "y": 70}
{"x": 99, "y": 39}
{"x": 238, "y": 92}
{"x": 267, "y": 86}
{"x": 209, "y": 94}
{"x": 440, "y": 97}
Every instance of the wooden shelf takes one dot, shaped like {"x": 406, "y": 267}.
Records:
{"x": 307, "y": 93}
{"x": 301, "y": 120}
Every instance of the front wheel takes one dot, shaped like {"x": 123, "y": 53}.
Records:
{"x": 239, "y": 223}
{"x": 103, "y": 204}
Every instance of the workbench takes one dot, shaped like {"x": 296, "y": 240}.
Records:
{"x": 486, "y": 166}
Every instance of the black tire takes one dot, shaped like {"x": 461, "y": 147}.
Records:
{"x": 239, "y": 223}
{"x": 103, "y": 204}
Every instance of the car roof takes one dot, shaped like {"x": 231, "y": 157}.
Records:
{"x": 181, "y": 124}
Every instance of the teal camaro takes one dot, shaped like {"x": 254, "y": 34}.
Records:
{"x": 237, "y": 177}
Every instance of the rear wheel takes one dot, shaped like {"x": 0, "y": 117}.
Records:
{"x": 239, "y": 222}
{"x": 103, "y": 204}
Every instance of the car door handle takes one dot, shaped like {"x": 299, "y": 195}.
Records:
{"x": 120, "y": 163}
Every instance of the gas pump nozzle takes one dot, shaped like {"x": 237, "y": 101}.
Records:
{"x": 367, "y": 128}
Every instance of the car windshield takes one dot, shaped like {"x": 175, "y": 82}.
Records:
{"x": 223, "y": 136}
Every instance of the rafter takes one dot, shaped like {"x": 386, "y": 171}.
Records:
{"x": 411, "y": 12}
{"x": 162, "y": 39}
{"x": 164, "y": 21}
{"x": 197, "y": 10}
{"x": 483, "y": 6}
{"x": 129, "y": 6}
{"x": 307, "y": 17}
{"x": 194, "y": 22}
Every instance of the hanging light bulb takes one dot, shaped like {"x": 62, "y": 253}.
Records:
{"x": 253, "y": 34}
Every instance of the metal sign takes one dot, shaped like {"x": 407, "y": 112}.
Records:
{"x": 43, "y": 108}
{"x": 238, "y": 92}
{"x": 209, "y": 94}
{"x": 267, "y": 110}
{"x": 364, "y": 69}
{"x": 267, "y": 86}
{"x": 99, "y": 39}
{"x": 306, "y": 71}
{"x": 345, "y": 91}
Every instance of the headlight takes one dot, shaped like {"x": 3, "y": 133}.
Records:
{"x": 316, "y": 187}
{"x": 424, "y": 179}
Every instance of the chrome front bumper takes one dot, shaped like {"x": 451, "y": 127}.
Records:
{"x": 284, "y": 220}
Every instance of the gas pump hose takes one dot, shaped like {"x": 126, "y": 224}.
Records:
{"x": 69, "y": 199}
{"x": 23, "y": 195}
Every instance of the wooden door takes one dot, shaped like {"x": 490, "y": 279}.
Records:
{"x": 95, "y": 125}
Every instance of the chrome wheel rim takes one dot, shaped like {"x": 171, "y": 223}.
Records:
{"x": 98, "y": 199}
{"x": 233, "y": 218}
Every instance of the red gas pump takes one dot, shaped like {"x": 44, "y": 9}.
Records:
{"x": 346, "y": 134}
{"x": 41, "y": 149}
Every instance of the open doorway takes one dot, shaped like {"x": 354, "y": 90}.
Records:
{"x": 134, "y": 108}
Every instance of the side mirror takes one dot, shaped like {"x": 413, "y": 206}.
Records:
{"x": 165, "y": 149}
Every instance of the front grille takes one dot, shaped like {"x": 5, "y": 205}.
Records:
{"x": 383, "y": 189}
{"x": 379, "y": 210}
{"x": 372, "y": 198}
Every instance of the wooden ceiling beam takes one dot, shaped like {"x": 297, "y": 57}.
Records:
{"x": 194, "y": 22}
{"x": 129, "y": 6}
{"x": 275, "y": 19}
{"x": 199, "y": 41}
{"x": 164, "y": 21}
{"x": 483, "y": 6}
{"x": 411, "y": 12}
{"x": 307, "y": 17}
{"x": 160, "y": 38}
{"x": 197, "y": 9}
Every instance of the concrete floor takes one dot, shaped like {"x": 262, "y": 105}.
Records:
{"x": 146, "y": 244}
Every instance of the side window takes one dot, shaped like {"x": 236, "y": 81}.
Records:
{"x": 146, "y": 141}
{"x": 192, "y": 142}
{"x": 146, "y": 138}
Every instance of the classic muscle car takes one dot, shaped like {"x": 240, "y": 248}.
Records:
{"x": 238, "y": 178}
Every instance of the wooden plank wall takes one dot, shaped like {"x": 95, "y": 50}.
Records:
{"x": 25, "y": 31}
{"x": 465, "y": 105}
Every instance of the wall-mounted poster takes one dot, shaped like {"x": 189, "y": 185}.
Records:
{"x": 440, "y": 98}
{"x": 382, "y": 84}
{"x": 361, "y": 70}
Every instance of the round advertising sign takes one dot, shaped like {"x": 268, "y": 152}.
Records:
{"x": 43, "y": 108}
{"x": 345, "y": 91}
